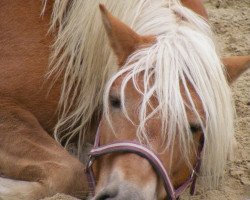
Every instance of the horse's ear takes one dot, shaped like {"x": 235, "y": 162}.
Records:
{"x": 235, "y": 66}
{"x": 124, "y": 41}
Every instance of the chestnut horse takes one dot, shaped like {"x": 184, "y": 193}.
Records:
{"x": 66, "y": 100}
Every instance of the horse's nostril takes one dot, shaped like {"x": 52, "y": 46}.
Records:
{"x": 107, "y": 194}
{"x": 103, "y": 197}
{"x": 121, "y": 192}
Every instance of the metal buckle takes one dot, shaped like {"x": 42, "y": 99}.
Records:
{"x": 89, "y": 163}
{"x": 193, "y": 173}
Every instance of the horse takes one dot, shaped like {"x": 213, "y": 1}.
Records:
{"x": 169, "y": 110}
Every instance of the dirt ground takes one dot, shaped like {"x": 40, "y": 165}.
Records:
{"x": 231, "y": 22}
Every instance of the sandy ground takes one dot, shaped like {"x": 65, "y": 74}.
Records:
{"x": 231, "y": 22}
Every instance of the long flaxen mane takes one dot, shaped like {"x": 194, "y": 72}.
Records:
{"x": 184, "y": 52}
{"x": 82, "y": 56}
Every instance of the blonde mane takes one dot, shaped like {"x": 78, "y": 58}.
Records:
{"x": 81, "y": 55}
{"x": 184, "y": 52}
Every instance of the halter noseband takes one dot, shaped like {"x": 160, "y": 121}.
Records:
{"x": 145, "y": 152}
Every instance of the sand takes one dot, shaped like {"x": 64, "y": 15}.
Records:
{"x": 231, "y": 22}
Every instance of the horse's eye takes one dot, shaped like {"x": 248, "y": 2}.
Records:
{"x": 115, "y": 102}
{"x": 195, "y": 128}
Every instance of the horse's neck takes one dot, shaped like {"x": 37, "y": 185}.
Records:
{"x": 24, "y": 58}
{"x": 22, "y": 29}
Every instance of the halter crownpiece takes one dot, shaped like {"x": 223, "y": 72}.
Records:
{"x": 143, "y": 151}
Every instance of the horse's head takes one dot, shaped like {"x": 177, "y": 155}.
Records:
{"x": 169, "y": 94}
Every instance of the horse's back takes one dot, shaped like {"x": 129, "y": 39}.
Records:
{"x": 24, "y": 45}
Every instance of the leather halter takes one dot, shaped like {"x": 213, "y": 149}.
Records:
{"x": 143, "y": 151}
